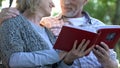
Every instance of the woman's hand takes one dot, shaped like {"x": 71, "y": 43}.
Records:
{"x": 77, "y": 52}
{"x": 103, "y": 55}
{"x": 7, "y": 13}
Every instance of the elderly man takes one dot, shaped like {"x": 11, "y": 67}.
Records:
{"x": 73, "y": 14}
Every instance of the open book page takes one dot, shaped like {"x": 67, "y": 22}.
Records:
{"x": 86, "y": 28}
{"x": 95, "y": 29}
{"x": 107, "y": 27}
{"x": 105, "y": 34}
{"x": 109, "y": 34}
{"x": 69, "y": 34}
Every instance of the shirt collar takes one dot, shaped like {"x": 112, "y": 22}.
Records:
{"x": 86, "y": 14}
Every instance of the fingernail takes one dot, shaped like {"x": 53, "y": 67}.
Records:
{"x": 94, "y": 49}
{"x": 102, "y": 42}
{"x": 96, "y": 46}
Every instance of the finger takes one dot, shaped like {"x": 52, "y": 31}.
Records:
{"x": 101, "y": 50}
{"x": 62, "y": 55}
{"x": 89, "y": 49}
{"x": 4, "y": 9}
{"x": 81, "y": 44}
{"x": 14, "y": 11}
{"x": 9, "y": 11}
{"x": 105, "y": 46}
{"x": 85, "y": 45}
{"x": 74, "y": 45}
{"x": 97, "y": 53}
{"x": 7, "y": 17}
{"x": 11, "y": 14}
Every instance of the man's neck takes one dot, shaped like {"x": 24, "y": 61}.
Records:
{"x": 79, "y": 14}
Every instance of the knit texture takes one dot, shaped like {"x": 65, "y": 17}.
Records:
{"x": 17, "y": 35}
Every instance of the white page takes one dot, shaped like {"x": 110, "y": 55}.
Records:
{"x": 107, "y": 26}
{"x": 86, "y": 28}
{"x": 94, "y": 29}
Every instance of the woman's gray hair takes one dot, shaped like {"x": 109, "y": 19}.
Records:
{"x": 23, "y": 5}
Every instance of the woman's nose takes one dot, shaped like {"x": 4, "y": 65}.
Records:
{"x": 52, "y": 4}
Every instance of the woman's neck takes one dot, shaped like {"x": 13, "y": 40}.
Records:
{"x": 33, "y": 17}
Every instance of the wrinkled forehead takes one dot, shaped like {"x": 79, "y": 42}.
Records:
{"x": 74, "y": 1}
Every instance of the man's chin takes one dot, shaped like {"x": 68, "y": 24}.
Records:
{"x": 69, "y": 15}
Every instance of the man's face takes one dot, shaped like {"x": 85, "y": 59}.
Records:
{"x": 71, "y": 8}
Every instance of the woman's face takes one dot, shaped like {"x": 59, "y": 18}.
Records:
{"x": 46, "y": 7}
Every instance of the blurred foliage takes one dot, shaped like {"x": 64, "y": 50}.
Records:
{"x": 55, "y": 13}
{"x": 101, "y": 9}
{"x": 1, "y": 2}
{"x": 116, "y": 19}
{"x": 117, "y": 49}
{"x": 108, "y": 11}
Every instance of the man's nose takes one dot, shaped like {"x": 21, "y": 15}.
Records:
{"x": 66, "y": 1}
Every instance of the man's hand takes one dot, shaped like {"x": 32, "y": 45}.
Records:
{"x": 103, "y": 55}
{"x": 7, "y": 13}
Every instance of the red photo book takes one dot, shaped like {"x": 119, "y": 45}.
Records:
{"x": 109, "y": 34}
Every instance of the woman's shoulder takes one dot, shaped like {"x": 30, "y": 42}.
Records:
{"x": 14, "y": 22}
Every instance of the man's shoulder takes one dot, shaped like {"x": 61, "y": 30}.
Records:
{"x": 96, "y": 21}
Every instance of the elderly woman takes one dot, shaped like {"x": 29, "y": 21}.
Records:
{"x": 23, "y": 42}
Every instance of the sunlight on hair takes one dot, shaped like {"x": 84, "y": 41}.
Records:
{"x": 56, "y": 9}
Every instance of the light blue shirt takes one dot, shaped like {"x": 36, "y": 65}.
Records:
{"x": 89, "y": 61}
{"x": 37, "y": 58}
{"x": 33, "y": 59}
